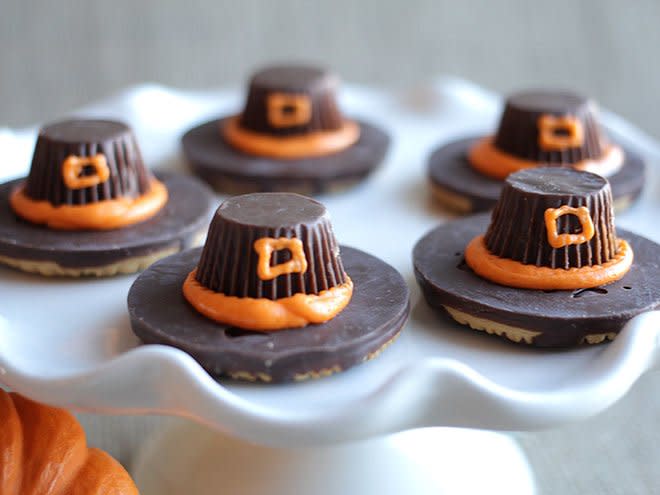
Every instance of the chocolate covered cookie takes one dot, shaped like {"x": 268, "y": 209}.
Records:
{"x": 89, "y": 206}
{"x": 536, "y": 129}
{"x": 290, "y": 136}
{"x": 271, "y": 296}
{"x": 548, "y": 268}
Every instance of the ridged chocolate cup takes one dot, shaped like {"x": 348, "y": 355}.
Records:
{"x": 316, "y": 85}
{"x": 228, "y": 263}
{"x": 83, "y": 138}
{"x": 518, "y": 229}
{"x": 518, "y": 131}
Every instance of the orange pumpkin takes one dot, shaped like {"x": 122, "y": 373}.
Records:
{"x": 43, "y": 451}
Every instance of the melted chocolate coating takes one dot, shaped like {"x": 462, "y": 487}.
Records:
{"x": 563, "y": 317}
{"x": 86, "y": 138}
{"x": 182, "y": 219}
{"x": 449, "y": 169}
{"x": 229, "y": 260}
{"x": 226, "y": 168}
{"x": 518, "y": 230}
{"x": 376, "y": 314}
{"x": 318, "y": 85}
{"x": 518, "y": 132}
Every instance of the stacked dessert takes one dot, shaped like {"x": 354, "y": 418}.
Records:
{"x": 548, "y": 268}
{"x": 89, "y": 206}
{"x": 536, "y": 129}
{"x": 290, "y": 136}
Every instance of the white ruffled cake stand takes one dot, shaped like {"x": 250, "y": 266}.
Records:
{"x": 68, "y": 342}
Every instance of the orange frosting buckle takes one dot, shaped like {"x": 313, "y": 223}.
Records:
{"x": 263, "y": 314}
{"x": 512, "y": 273}
{"x": 288, "y": 110}
{"x": 73, "y": 167}
{"x": 551, "y": 140}
{"x": 265, "y": 248}
{"x": 560, "y": 240}
{"x": 310, "y": 145}
{"x": 102, "y": 215}
{"x": 486, "y": 159}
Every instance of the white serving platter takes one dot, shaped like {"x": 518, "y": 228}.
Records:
{"x": 68, "y": 342}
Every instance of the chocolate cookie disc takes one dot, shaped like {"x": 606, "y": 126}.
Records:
{"x": 541, "y": 318}
{"x": 181, "y": 224}
{"x": 374, "y": 317}
{"x": 548, "y": 269}
{"x": 291, "y": 136}
{"x": 538, "y": 128}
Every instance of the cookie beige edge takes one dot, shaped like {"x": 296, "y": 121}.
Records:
{"x": 250, "y": 377}
{"x": 308, "y": 375}
{"x": 451, "y": 200}
{"x": 52, "y": 269}
{"x": 379, "y": 351}
{"x": 597, "y": 338}
{"x": 515, "y": 334}
{"x": 512, "y": 333}
{"x": 125, "y": 267}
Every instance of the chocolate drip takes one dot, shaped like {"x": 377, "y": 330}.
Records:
{"x": 518, "y": 230}
{"x": 229, "y": 261}
{"x": 86, "y": 138}
{"x": 317, "y": 85}
{"x": 518, "y": 132}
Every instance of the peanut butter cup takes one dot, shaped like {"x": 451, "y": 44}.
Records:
{"x": 291, "y": 112}
{"x": 88, "y": 174}
{"x": 290, "y": 136}
{"x": 89, "y": 206}
{"x": 270, "y": 262}
{"x": 271, "y": 297}
{"x": 96, "y": 159}
{"x": 549, "y": 269}
{"x": 536, "y": 129}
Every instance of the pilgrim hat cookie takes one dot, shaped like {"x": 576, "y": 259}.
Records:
{"x": 549, "y": 269}
{"x": 270, "y": 297}
{"x": 89, "y": 206}
{"x": 291, "y": 136}
{"x": 536, "y": 129}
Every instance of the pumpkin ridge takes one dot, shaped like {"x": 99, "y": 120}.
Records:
{"x": 11, "y": 446}
{"x": 44, "y": 451}
{"x": 54, "y": 447}
{"x": 101, "y": 475}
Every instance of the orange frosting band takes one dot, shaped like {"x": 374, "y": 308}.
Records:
{"x": 263, "y": 314}
{"x": 485, "y": 158}
{"x": 512, "y": 273}
{"x": 103, "y": 215}
{"x": 310, "y": 145}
